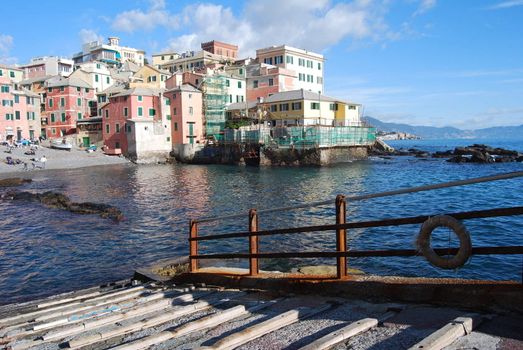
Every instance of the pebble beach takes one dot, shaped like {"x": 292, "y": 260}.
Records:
{"x": 56, "y": 159}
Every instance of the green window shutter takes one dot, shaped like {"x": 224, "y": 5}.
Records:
{"x": 63, "y": 117}
{"x": 152, "y": 112}
{"x": 79, "y": 116}
{"x": 140, "y": 98}
{"x": 140, "y": 111}
{"x": 52, "y": 118}
{"x": 79, "y": 101}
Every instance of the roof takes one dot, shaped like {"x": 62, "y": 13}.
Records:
{"x": 299, "y": 95}
{"x": 71, "y": 81}
{"x": 3, "y": 66}
{"x": 241, "y": 105}
{"x": 130, "y": 66}
{"x": 184, "y": 87}
{"x": 139, "y": 91}
{"x": 34, "y": 80}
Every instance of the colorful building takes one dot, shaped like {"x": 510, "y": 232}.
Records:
{"x": 302, "y": 107}
{"x": 66, "y": 101}
{"x": 137, "y": 124}
{"x": 307, "y": 65}
{"x": 43, "y": 66}
{"x": 111, "y": 53}
{"x": 96, "y": 74}
{"x": 186, "y": 112}
{"x": 149, "y": 76}
{"x": 19, "y": 108}
{"x": 264, "y": 80}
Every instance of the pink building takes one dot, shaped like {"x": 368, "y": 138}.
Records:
{"x": 265, "y": 80}
{"x": 47, "y": 66}
{"x": 134, "y": 104}
{"x": 19, "y": 110}
{"x": 187, "y": 118}
{"x": 67, "y": 100}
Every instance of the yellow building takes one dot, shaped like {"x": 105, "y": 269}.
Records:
{"x": 148, "y": 76}
{"x": 303, "y": 108}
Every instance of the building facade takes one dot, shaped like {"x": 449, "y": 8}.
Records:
{"x": 186, "y": 112}
{"x": 264, "y": 80}
{"x": 307, "y": 65}
{"x": 19, "y": 110}
{"x": 67, "y": 100}
{"x": 47, "y": 66}
{"x": 111, "y": 53}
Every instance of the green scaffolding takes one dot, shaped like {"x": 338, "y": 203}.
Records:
{"x": 214, "y": 102}
{"x": 305, "y": 136}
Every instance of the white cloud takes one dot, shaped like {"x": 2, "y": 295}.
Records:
{"x": 88, "y": 35}
{"x": 156, "y": 15}
{"x": 424, "y": 6}
{"x": 314, "y": 25}
{"x": 506, "y": 5}
{"x": 6, "y": 43}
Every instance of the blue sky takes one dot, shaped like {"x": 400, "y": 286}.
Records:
{"x": 423, "y": 62}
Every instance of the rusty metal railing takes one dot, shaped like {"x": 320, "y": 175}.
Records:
{"x": 341, "y": 226}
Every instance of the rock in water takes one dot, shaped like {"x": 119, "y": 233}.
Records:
{"x": 61, "y": 201}
{"x": 16, "y": 181}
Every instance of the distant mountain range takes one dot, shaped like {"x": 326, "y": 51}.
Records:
{"x": 431, "y": 132}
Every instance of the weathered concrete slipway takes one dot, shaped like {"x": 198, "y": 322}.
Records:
{"x": 161, "y": 315}
{"x": 252, "y": 154}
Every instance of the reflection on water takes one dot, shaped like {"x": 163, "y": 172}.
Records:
{"x": 45, "y": 251}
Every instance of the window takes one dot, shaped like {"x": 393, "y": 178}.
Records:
{"x": 255, "y": 84}
{"x": 17, "y": 99}
{"x": 1, "y": 73}
{"x": 52, "y": 118}
{"x": 17, "y": 115}
{"x": 319, "y": 80}
{"x": 274, "y": 108}
{"x": 28, "y": 115}
{"x": 301, "y": 62}
{"x": 296, "y": 106}
{"x": 315, "y": 105}
{"x": 125, "y": 111}
{"x": 108, "y": 80}
{"x": 62, "y": 102}
{"x": 63, "y": 117}
{"x": 50, "y": 102}
{"x": 168, "y": 101}
{"x": 140, "y": 98}
{"x": 62, "y": 88}
{"x": 140, "y": 111}
{"x": 78, "y": 89}
{"x": 169, "y": 117}
{"x": 289, "y": 59}
{"x": 4, "y": 88}
{"x": 79, "y": 115}
{"x": 96, "y": 77}
{"x": 98, "y": 65}
{"x": 107, "y": 113}
{"x": 284, "y": 107}
{"x": 352, "y": 107}
{"x": 268, "y": 60}
{"x": 319, "y": 65}
{"x": 168, "y": 139}
{"x": 278, "y": 60}
{"x": 333, "y": 106}
{"x": 190, "y": 111}
{"x": 87, "y": 90}
{"x": 227, "y": 83}
{"x": 230, "y": 98}
{"x": 271, "y": 81}
{"x": 152, "y": 112}
{"x": 107, "y": 128}
{"x": 240, "y": 71}
{"x": 117, "y": 127}
{"x": 12, "y": 74}
{"x": 175, "y": 126}
{"x": 239, "y": 85}
{"x": 50, "y": 89}
{"x": 53, "y": 131}
{"x": 174, "y": 110}
{"x": 79, "y": 101}
{"x": 197, "y": 81}
{"x": 28, "y": 100}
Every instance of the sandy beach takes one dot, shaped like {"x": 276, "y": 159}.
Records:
{"x": 56, "y": 159}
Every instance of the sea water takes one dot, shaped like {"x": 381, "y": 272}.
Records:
{"x": 46, "y": 251}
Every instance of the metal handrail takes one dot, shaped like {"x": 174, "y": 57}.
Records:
{"x": 504, "y": 176}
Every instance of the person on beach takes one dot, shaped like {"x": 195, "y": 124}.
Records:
{"x": 43, "y": 160}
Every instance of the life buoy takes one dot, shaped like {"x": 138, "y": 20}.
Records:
{"x": 465, "y": 245}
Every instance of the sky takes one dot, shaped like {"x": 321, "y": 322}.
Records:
{"x": 421, "y": 62}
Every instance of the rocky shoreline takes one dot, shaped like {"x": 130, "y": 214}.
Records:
{"x": 476, "y": 153}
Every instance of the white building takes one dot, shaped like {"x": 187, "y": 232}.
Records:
{"x": 236, "y": 88}
{"x": 97, "y": 74}
{"x": 111, "y": 53}
{"x": 307, "y": 65}
{"x": 47, "y": 66}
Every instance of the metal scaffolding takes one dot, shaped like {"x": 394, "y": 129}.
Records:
{"x": 214, "y": 102}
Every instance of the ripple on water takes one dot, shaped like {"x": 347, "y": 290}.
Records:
{"x": 45, "y": 251}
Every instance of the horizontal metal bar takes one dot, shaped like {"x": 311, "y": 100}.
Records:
{"x": 497, "y": 177}
{"x": 509, "y": 250}
{"x": 477, "y": 214}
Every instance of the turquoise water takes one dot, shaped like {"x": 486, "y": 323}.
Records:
{"x": 46, "y": 251}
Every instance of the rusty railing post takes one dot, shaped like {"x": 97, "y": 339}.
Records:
{"x": 193, "y": 246}
{"x": 341, "y": 236}
{"x": 253, "y": 243}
